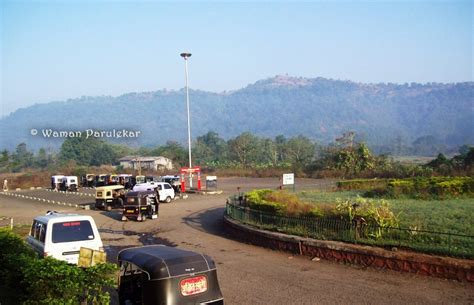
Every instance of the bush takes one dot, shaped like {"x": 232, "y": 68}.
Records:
{"x": 280, "y": 202}
{"x": 426, "y": 188}
{"x": 27, "y": 279}
{"x": 361, "y": 184}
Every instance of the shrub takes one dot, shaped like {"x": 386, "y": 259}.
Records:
{"x": 27, "y": 279}
{"x": 280, "y": 202}
{"x": 368, "y": 211}
{"x": 361, "y": 184}
{"x": 425, "y": 188}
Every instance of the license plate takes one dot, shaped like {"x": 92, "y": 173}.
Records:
{"x": 130, "y": 211}
{"x": 193, "y": 285}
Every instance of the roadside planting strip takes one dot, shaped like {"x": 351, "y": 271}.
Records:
{"x": 85, "y": 207}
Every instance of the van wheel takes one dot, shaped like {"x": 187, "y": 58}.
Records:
{"x": 108, "y": 207}
{"x": 168, "y": 199}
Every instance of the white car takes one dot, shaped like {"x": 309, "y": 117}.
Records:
{"x": 62, "y": 236}
{"x": 165, "y": 190}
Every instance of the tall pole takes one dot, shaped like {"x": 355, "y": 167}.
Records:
{"x": 186, "y": 56}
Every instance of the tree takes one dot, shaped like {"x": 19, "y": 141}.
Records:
{"x": 22, "y": 157}
{"x": 42, "y": 159}
{"x": 174, "y": 151}
{"x": 210, "y": 147}
{"x": 87, "y": 151}
{"x": 244, "y": 148}
{"x": 4, "y": 159}
{"x": 300, "y": 151}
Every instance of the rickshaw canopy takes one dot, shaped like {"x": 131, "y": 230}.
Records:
{"x": 162, "y": 262}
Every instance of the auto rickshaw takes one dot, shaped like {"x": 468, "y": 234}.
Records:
{"x": 108, "y": 197}
{"x": 69, "y": 184}
{"x": 56, "y": 181}
{"x": 101, "y": 180}
{"x": 90, "y": 178}
{"x": 113, "y": 179}
{"x": 125, "y": 180}
{"x": 174, "y": 181}
{"x": 140, "y": 206}
{"x": 159, "y": 274}
{"x": 140, "y": 179}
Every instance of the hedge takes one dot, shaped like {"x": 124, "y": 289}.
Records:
{"x": 425, "y": 188}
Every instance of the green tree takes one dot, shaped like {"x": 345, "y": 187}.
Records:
{"x": 4, "y": 160}
{"x": 244, "y": 148}
{"x": 87, "y": 151}
{"x": 174, "y": 151}
{"x": 22, "y": 157}
{"x": 42, "y": 160}
{"x": 210, "y": 148}
{"x": 300, "y": 151}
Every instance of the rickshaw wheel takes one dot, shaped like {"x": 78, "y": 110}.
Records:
{"x": 108, "y": 208}
{"x": 168, "y": 199}
{"x": 143, "y": 217}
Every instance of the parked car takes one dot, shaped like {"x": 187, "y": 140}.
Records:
{"x": 56, "y": 181}
{"x": 140, "y": 206}
{"x": 166, "y": 275}
{"x": 69, "y": 184}
{"x": 108, "y": 197}
{"x": 62, "y": 235}
{"x": 164, "y": 190}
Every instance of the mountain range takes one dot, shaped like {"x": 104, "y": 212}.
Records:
{"x": 319, "y": 108}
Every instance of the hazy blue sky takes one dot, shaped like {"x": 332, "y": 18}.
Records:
{"x": 66, "y": 49}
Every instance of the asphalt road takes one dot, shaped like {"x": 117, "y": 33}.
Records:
{"x": 250, "y": 274}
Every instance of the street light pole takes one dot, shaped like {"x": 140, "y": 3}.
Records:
{"x": 186, "y": 56}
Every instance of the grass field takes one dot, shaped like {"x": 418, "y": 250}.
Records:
{"x": 454, "y": 215}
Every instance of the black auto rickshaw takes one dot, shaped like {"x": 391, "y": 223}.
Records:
{"x": 170, "y": 276}
{"x": 140, "y": 205}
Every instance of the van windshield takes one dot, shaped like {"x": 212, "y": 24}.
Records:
{"x": 72, "y": 231}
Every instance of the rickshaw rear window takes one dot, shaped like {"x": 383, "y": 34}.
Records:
{"x": 99, "y": 194}
{"x": 72, "y": 231}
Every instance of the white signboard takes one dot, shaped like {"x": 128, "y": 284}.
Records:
{"x": 288, "y": 179}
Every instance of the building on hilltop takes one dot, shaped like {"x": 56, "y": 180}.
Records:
{"x": 153, "y": 163}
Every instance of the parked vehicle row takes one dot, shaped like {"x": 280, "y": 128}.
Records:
{"x": 141, "y": 203}
{"x": 127, "y": 180}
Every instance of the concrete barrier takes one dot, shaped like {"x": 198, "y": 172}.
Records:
{"x": 423, "y": 264}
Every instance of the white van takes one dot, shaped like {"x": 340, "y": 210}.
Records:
{"x": 165, "y": 190}
{"x": 62, "y": 235}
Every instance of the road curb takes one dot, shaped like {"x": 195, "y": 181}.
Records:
{"x": 423, "y": 264}
{"x": 69, "y": 193}
{"x": 84, "y": 207}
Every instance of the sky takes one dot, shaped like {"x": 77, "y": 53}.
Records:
{"x": 56, "y": 50}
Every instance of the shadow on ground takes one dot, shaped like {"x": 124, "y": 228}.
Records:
{"x": 208, "y": 221}
{"x": 114, "y": 214}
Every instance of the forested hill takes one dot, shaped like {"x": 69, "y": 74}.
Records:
{"x": 321, "y": 109}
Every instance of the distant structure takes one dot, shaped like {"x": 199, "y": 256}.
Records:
{"x": 153, "y": 163}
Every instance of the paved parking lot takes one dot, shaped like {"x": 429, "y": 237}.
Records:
{"x": 250, "y": 274}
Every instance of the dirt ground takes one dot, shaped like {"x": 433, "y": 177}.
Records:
{"x": 250, "y": 274}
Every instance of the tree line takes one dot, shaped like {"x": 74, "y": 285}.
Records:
{"x": 346, "y": 156}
